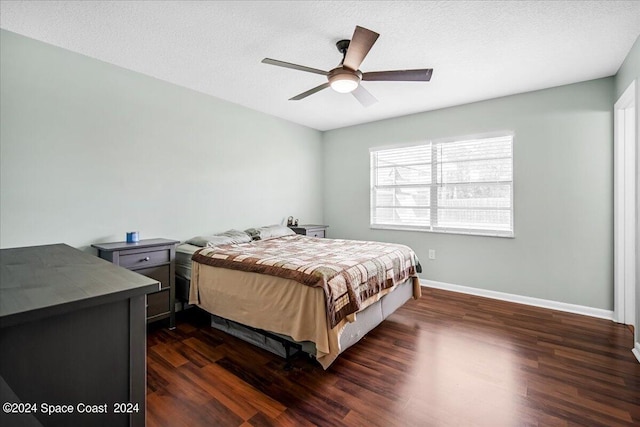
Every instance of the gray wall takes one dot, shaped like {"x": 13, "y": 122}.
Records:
{"x": 628, "y": 72}
{"x": 563, "y": 249}
{"x": 89, "y": 151}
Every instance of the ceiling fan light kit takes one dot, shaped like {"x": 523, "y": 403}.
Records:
{"x": 346, "y": 77}
{"x": 344, "y": 81}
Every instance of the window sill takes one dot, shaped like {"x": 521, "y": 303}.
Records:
{"x": 458, "y": 232}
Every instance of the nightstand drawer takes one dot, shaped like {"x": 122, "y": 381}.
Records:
{"x": 158, "y": 303}
{"x": 142, "y": 259}
{"x": 315, "y": 233}
{"x": 161, "y": 273}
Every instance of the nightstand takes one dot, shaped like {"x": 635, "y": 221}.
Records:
{"x": 154, "y": 258}
{"x": 312, "y": 230}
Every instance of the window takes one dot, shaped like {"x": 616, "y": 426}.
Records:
{"x": 463, "y": 185}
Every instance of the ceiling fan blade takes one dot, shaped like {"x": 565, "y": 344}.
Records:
{"x": 364, "y": 96}
{"x": 422, "y": 75}
{"x": 293, "y": 66}
{"x": 309, "y": 92}
{"x": 360, "y": 45}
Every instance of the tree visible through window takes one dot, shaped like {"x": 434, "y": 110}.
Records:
{"x": 458, "y": 186}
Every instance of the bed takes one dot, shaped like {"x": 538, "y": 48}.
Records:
{"x": 323, "y": 295}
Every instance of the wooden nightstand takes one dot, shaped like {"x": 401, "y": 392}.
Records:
{"x": 312, "y": 230}
{"x": 155, "y": 258}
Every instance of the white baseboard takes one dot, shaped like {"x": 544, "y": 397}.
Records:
{"x": 537, "y": 302}
{"x": 636, "y": 351}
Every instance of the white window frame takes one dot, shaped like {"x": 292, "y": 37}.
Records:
{"x": 434, "y": 228}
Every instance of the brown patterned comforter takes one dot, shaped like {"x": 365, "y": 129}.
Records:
{"x": 349, "y": 271}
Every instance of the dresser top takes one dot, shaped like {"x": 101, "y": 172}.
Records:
{"x": 42, "y": 281}
{"x": 146, "y": 243}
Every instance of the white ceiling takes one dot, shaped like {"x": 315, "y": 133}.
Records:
{"x": 478, "y": 49}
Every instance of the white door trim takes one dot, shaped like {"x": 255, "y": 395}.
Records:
{"x": 624, "y": 149}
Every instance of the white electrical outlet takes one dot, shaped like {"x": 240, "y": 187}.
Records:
{"x": 432, "y": 254}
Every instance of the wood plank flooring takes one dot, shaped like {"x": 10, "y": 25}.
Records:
{"x": 448, "y": 359}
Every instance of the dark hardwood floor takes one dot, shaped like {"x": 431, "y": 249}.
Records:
{"x": 447, "y": 359}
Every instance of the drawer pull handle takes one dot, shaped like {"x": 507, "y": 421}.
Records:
{"x": 145, "y": 259}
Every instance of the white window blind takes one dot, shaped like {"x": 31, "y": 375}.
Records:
{"x": 456, "y": 186}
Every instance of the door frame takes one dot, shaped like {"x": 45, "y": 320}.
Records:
{"x": 625, "y": 205}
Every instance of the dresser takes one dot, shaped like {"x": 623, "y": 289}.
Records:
{"x": 154, "y": 258}
{"x": 72, "y": 333}
{"x": 312, "y": 230}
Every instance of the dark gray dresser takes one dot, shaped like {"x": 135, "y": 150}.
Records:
{"x": 72, "y": 334}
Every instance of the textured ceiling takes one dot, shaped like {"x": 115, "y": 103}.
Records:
{"x": 478, "y": 50}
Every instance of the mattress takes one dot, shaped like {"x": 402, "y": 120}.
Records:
{"x": 347, "y": 271}
{"x": 184, "y": 252}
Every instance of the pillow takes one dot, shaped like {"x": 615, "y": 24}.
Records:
{"x": 269, "y": 232}
{"x": 229, "y": 237}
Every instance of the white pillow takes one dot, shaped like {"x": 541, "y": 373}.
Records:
{"x": 269, "y": 232}
{"x": 229, "y": 237}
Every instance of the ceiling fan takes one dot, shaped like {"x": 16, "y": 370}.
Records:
{"x": 346, "y": 77}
